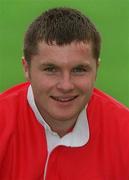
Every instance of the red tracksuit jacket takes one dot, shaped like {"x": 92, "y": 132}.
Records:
{"x": 23, "y": 148}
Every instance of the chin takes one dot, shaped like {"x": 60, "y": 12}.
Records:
{"x": 65, "y": 116}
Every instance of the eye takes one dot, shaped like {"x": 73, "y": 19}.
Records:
{"x": 80, "y": 70}
{"x": 50, "y": 69}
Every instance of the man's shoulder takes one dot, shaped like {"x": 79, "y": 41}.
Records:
{"x": 13, "y": 94}
{"x": 109, "y": 114}
{"x": 13, "y": 103}
{"x": 106, "y": 103}
{"x": 14, "y": 90}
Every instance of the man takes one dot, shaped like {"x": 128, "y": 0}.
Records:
{"x": 57, "y": 126}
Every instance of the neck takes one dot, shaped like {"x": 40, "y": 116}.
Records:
{"x": 61, "y": 127}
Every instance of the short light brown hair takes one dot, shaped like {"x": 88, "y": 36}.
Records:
{"x": 63, "y": 26}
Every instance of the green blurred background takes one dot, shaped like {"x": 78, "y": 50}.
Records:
{"x": 111, "y": 18}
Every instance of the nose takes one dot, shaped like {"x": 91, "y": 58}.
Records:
{"x": 65, "y": 83}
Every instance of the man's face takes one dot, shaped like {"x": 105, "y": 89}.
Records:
{"x": 62, "y": 79}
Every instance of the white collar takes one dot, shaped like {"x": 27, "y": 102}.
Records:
{"x": 79, "y": 135}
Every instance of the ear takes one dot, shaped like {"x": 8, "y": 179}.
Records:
{"x": 97, "y": 67}
{"x": 26, "y": 68}
{"x": 98, "y": 63}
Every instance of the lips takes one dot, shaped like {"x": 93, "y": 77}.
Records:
{"x": 64, "y": 99}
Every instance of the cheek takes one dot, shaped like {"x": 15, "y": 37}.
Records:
{"x": 85, "y": 85}
{"x": 43, "y": 84}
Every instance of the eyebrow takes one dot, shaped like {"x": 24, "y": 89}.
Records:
{"x": 82, "y": 65}
{"x": 49, "y": 64}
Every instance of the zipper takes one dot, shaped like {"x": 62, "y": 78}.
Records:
{"x": 45, "y": 169}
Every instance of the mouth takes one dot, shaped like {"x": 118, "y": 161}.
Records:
{"x": 64, "y": 99}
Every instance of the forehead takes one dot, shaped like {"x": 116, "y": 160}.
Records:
{"x": 71, "y": 53}
{"x": 77, "y": 47}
